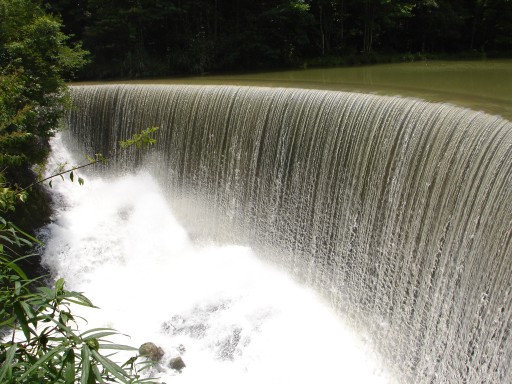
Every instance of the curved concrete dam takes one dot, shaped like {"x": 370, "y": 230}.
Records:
{"x": 398, "y": 211}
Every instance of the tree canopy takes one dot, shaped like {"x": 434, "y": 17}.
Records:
{"x": 35, "y": 59}
{"x": 130, "y": 38}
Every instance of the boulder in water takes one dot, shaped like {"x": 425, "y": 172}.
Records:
{"x": 151, "y": 351}
{"x": 177, "y": 363}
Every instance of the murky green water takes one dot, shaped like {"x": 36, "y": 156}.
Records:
{"x": 480, "y": 85}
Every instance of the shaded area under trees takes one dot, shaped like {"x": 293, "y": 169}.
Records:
{"x": 136, "y": 38}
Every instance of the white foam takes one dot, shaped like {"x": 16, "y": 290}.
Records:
{"x": 239, "y": 320}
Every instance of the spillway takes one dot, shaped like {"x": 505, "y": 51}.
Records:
{"x": 396, "y": 210}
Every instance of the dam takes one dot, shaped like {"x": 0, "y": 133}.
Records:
{"x": 395, "y": 210}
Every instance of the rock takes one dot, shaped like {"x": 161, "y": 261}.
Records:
{"x": 151, "y": 351}
{"x": 177, "y": 363}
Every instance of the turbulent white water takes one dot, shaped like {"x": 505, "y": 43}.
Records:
{"x": 232, "y": 318}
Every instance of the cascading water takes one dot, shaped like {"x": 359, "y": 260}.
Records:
{"x": 396, "y": 210}
{"x": 230, "y": 317}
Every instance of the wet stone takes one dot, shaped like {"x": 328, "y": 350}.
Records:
{"x": 177, "y": 363}
{"x": 151, "y": 351}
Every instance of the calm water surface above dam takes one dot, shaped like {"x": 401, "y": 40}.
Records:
{"x": 480, "y": 85}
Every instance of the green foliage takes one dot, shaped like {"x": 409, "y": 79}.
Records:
{"x": 142, "y": 139}
{"x": 15, "y": 120}
{"x": 139, "y": 140}
{"x": 64, "y": 169}
{"x": 45, "y": 344}
{"x": 9, "y": 197}
{"x": 300, "y": 5}
{"x": 35, "y": 59}
{"x": 33, "y": 40}
{"x": 131, "y": 38}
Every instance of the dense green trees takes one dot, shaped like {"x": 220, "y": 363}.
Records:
{"x": 131, "y": 38}
{"x": 137, "y": 38}
{"x": 402, "y": 26}
{"x": 35, "y": 58}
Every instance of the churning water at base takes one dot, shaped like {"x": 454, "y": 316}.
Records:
{"x": 232, "y": 318}
{"x": 397, "y": 211}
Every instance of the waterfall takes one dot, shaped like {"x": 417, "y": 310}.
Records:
{"x": 397, "y": 210}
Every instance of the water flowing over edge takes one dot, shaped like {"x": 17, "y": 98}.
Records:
{"x": 230, "y": 317}
{"x": 397, "y": 210}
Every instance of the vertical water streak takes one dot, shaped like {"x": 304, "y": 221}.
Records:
{"x": 397, "y": 210}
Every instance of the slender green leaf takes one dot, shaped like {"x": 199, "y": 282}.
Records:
{"x": 59, "y": 284}
{"x": 83, "y": 334}
{"x": 28, "y": 310}
{"x": 86, "y": 364}
{"x": 77, "y": 298}
{"x": 5, "y": 239}
{"x": 8, "y": 322}
{"x": 69, "y": 370}
{"x": 47, "y": 292}
{"x": 26, "y": 235}
{"x": 118, "y": 347}
{"x": 101, "y": 334}
{"x": 111, "y": 367}
{"x": 22, "y": 319}
{"x": 6, "y": 370}
{"x": 63, "y": 328}
{"x": 24, "y": 257}
{"x": 39, "y": 363}
{"x": 14, "y": 267}
{"x": 97, "y": 375}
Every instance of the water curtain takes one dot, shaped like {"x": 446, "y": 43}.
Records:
{"x": 399, "y": 211}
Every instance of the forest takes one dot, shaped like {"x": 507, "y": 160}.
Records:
{"x": 142, "y": 38}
